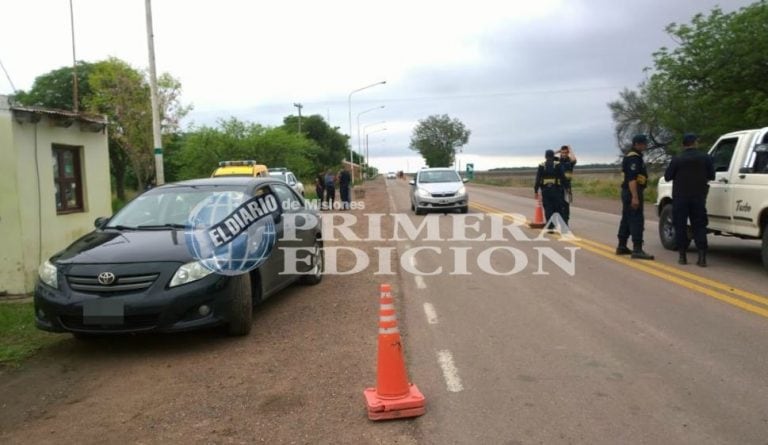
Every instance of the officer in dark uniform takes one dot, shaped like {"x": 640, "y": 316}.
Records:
{"x": 690, "y": 172}
{"x": 632, "y": 218}
{"x": 567, "y": 160}
{"x": 549, "y": 179}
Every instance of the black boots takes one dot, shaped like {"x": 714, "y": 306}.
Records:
{"x": 640, "y": 254}
{"x": 636, "y": 254}
{"x": 702, "y": 261}
{"x": 683, "y": 258}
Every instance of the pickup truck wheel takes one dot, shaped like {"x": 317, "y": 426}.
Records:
{"x": 667, "y": 229}
{"x": 765, "y": 247}
{"x": 241, "y": 306}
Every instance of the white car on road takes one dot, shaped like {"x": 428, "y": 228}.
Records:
{"x": 438, "y": 189}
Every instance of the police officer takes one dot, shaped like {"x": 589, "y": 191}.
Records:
{"x": 632, "y": 218}
{"x": 549, "y": 179}
{"x": 567, "y": 160}
{"x": 690, "y": 172}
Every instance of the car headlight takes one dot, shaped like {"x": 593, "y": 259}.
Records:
{"x": 48, "y": 274}
{"x": 462, "y": 191}
{"x": 188, "y": 273}
{"x": 423, "y": 193}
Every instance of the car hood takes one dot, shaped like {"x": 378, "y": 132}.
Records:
{"x": 113, "y": 246}
{"x": 441, "y": 187}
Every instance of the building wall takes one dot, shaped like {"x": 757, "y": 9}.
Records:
{"x": 42, "y": 231}
{"x": 11, "y": 258}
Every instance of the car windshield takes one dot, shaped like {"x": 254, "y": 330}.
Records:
{"x": 439, "y": 176}
{"x": 170, "y": 207}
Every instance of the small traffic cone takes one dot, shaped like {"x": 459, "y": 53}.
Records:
{"x": 538, "y": 215}
{"x": 393, "y": 397}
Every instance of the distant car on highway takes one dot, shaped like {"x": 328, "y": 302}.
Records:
{"x": 391, "y": 175}
{"x": 438, "y": 189}
{"x": 287, "y": 176}
{"x": 135, "y": 272}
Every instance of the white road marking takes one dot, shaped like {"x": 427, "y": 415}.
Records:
{"x": 420, "y": 284}
{"x": 431, "y": 314}
{"x": 450, "y": 373}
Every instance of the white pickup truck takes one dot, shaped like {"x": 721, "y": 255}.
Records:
{"x": 737, "y": 203}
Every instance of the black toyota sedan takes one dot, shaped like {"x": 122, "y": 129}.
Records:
{"x": 168, "y": 261}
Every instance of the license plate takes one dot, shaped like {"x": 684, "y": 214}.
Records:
{"x": 103, "y": 311}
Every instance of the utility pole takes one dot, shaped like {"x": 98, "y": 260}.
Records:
{"x": 75, "y": 105}
{"x": 158, "y": 142}
{"x": 299, "y": 106}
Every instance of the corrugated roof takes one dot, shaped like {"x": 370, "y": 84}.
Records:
{"x": 86, "y": 117}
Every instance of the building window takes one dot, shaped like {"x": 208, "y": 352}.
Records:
{"x": 67, "y": 179}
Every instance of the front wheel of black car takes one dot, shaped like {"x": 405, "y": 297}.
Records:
{"x": 317, "y": 257}
{"x": 241, "y": 306}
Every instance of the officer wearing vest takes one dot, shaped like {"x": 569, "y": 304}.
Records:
{"x": 549, "y": 179}
{"x": 632, "y": 218}
{"x": 567, "y": 161}
{"x": 690, "y": 172}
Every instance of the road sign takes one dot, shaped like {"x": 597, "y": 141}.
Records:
{"x": 471, "y": 171}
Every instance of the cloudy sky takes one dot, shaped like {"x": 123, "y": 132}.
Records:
{"x": 523, "y": 75}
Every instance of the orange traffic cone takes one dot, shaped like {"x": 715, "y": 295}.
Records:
{"x": 538, "y": 215}
{"x": 393, "y": 397}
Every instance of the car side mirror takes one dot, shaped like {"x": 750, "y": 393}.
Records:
{"x": 465, "y": 180}
{"x": 100, "y": 222}
{"x": 412, "y": 182}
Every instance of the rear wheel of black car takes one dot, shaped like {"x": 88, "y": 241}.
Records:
{"x": 241, "y": 306}
{"x": 317, "y": 258}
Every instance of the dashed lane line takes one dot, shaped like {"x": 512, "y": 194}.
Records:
{"x": 429, "y": 310}
{"x": 450, "y": 372}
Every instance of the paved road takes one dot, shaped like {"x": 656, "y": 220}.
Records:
{"x": 616, "y": 352}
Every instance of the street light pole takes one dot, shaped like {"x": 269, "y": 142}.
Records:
{"x": 358, "y": 124}
{"x": 349, "y": 105}
{"x": 367, "y": 159}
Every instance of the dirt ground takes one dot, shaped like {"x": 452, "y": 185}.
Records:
{"x": 298, "y": 378}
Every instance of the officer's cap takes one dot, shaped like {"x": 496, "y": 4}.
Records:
{"x": 549, "y": 154}
{"x": 640, "y": 139}
{"x": 689, "y": 138}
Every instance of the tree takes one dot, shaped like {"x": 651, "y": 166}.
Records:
{"x": 202, "y": 148}
{"x": 437, "y": 138}
{"x": 333, "y": 146}
{"x": 712, "y": 82}
{"x": 55, "y": 88}
{"x": 635, "y": 113}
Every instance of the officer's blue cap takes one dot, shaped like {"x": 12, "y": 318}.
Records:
{"x": 640, "y": 139}
{"x": 689, "y": 138}
{"x": 549, "y": 154}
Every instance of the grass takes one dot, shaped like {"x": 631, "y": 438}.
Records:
{"x": 599, "y": 185}
{"x": 19, "y": 338}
